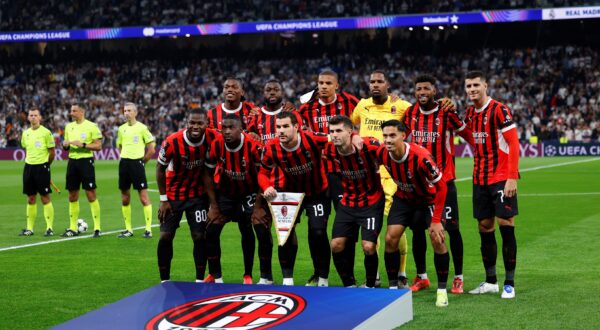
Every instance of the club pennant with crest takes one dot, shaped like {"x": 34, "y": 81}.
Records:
{"x": 285, "y": 209}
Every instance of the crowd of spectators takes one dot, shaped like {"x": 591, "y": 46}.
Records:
{"x": 553, "y": 92}
{"x": 69, "y": 14}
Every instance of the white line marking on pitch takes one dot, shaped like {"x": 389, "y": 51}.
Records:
{"x": 68, "y": 239}
{"x": 155, "y": 225}
{"x": 542, "y": 167}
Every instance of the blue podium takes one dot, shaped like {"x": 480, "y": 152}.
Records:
{"x": 181, "y": 305}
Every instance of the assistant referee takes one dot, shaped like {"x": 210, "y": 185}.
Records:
{"x": 137, "y": 146}
{"x": 82, "y": 138}
{"x": 39, "y": 145}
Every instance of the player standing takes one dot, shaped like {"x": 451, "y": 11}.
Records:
{"x": 433, "y": 129}
{"x": 136, "y": 145}
{"x": 182, "y": 178}
{"x": 82, "y": 138}
{"x": 39, "y": 146}
{"x": 233, "y": 93}
{"x": 495, "y": 177}
{"x": 369, "y": 114}
{"x": 362, "y": 203}
{"x": 235, "y": 160}
{"x": 418, "y": 202}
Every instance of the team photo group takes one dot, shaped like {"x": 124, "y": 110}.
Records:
{"x": 361, "y": 165}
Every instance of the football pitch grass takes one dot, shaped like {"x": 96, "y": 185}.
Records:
{"x": 557, "y": 282}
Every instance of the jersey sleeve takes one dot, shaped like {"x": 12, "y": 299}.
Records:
{"x": 255, "y": 151}
{"x": 23, "y": 141}
{"x": 50, "y": 140}
{"x": 120, "y": 137}
{"x": 356, "y": 113}
{"x": 454, "y": 121}
{"x": 66, "y": 136}
{"x": 504, "y": 118}
{"x": 165, "y": 155}
{"x": 320, "y": 139}
{"x": 147, "y": 136}
{"x": 430, "y": 169}
{"x": 253, "y": 124}
{"x": 267, "y": 161}
{"x": 352, "y": 100}
{"x": 212, "y": 154}
{"x": 96, "y": 133}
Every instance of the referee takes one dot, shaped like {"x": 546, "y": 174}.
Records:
{"x": 136, "y": 144}
{"x": 39, "y": 145}
{"x": 82, "y": 138}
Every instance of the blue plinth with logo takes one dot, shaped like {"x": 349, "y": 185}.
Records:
{"x": 181, "y": 305}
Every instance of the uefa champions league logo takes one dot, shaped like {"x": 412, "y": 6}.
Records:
{"x": 550, "y": 150}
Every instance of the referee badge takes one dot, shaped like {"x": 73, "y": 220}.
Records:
{"x": 83, "y": 136}
{"x": 38, "y": 144}
{"x": 393, "y": 109}
{"x": 136, "y": 139}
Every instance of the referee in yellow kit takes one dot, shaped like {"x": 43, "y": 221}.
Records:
{"x": 39, "y": 145}
{"x": 137, "y": 146}
{"x": 369, "y": 114}
{"x": 82, "y": 138}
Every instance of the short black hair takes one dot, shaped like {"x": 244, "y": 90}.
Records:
{"x": 234, "y": 117}
{"x": 197, "y": 111}
{"x": 339, "y": 119}
{"x": 425, "y": 78}
{"x": 287, "y": 114}
{"x": 273, "y": 81}
{"x": 239, "y": 81}
{"x": 476, "y": 74}
{"x": 394, "y": 123}
{"x": 381, "y": 72}
{"x": 76, "y": 103}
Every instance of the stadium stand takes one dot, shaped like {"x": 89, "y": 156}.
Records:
{"x": 53, "y": 14}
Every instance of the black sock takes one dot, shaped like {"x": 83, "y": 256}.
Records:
{"x": 322, "y": 251}
{"x": 442, "y": 264}
{"x": 456, "y": 247}
{"x": 371, "y": 264}
{"x": 350, "y": 255}
{"x": 265, "y": 250}
{"x": 419, "y": 250}
{"x": 392, "y": 264}
{"x": 165, "y": 255}
{"x": 287, "y": 255}
{"x": 213, "y": 249}
{"x": 509, "y": 253}
{"x": 489, "y": 253}
{"x": 200, "y": 253}
{"x": 248, "y": 246}
{"x": 341, "y": 265}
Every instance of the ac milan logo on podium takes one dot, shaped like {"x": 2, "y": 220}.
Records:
{"x": 241, "y": 311}
{"x": 284, "y": 211}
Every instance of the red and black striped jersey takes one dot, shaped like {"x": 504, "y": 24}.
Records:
{"x": 491, "y": 149}
{"x": 236, "y": 170}
{"x": 263, "y": 124}
{"x": 216, "y": 114}
{"x": 185, "y": 163}
{"x": 361, "y": 183}
{"x": 301, "y": 167}
{"x": 316, "y": 114}
{"x": 414, "y": 174}
{"x": 434, "y": 131}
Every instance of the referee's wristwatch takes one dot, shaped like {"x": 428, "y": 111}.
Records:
{"x": 83, "y": 145}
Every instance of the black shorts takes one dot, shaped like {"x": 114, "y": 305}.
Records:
{"x": 238, "y": 209}
{"x": 132, "y": 172}
{"x": 335, "y": 190}
{"x": 196, "y": 212}
{"x": 36, "y": 179}
{"x": 81, "y": 173}
{"x": 411, "y": 214}
{"x": 318, "y": 208}
{"x": 489, "y": 201}
{"x": 450, "y": 216}
{"x": 369, "y": 219}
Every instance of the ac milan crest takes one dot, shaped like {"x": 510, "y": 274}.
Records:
{"x": 241, "y": 311}
{"x": 284, "y": 211}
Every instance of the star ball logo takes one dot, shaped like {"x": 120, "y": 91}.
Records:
{"x": 241, "y": 311}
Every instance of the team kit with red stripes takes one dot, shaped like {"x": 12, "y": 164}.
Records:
{"x": 227, "y": 164}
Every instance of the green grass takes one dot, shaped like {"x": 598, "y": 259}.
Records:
{"x": 557, "y": 272}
